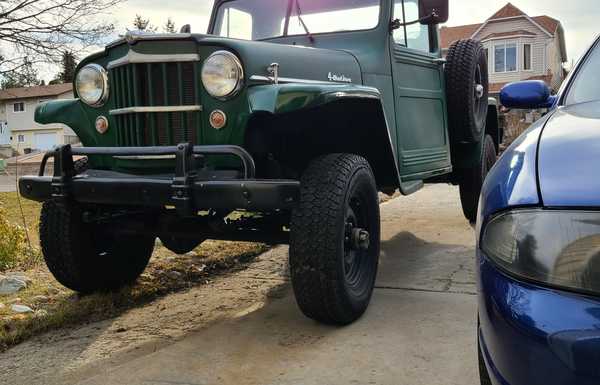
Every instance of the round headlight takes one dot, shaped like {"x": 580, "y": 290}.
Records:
{"x": 222, "y": 75}
{"x": 91, "y": 83}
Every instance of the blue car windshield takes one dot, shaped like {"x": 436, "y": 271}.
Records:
{"x": 585, "y": 86}
{"x": 264, "y": 19}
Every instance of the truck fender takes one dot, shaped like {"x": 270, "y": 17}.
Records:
{"x": 327, "y": 118}
{"x": 69, "y": 112}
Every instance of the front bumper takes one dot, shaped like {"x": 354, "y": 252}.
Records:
{"x": 532, "y": 335}
{"x": 187, "y": 190}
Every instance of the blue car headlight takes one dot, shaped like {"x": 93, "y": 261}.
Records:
{"x": 558, "y": 248}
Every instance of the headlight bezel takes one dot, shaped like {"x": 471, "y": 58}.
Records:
{"x": 555, "y": 264}
{"x": 239, "y": 70}
{"x": 103, "y": 75}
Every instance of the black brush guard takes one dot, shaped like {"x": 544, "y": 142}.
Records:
{"x": 186, "y": 191}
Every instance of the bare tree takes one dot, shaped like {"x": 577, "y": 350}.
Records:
{"x": 43, "y": 30}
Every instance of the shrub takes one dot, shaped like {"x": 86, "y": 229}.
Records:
{"x": 13, "y": 243}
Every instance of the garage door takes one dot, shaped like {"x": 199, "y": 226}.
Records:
{"x": 45, "y": 141}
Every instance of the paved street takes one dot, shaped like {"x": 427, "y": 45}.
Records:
{"x": 420, "y": 328}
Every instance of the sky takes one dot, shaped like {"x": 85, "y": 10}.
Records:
{"x": 577, "y": 19}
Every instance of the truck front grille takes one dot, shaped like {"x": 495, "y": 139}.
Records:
{"x": 156, "y": 104}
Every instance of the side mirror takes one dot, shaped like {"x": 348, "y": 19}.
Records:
{"x": 529, "y": 94}
{"x": 433, "y": 11}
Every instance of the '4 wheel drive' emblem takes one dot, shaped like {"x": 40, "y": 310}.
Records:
{"x": 338, "y": 78}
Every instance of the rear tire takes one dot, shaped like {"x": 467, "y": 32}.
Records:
{"x": 85, "y": 257}
{"x": 471, "y": 179}
{"x": 467, "y": 90}
{"x": 334, "y": 243}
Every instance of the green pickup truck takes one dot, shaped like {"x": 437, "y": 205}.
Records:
{"x": 280, "y": 125}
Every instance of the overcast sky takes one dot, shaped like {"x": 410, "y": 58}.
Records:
{"x": 577, "y": 16}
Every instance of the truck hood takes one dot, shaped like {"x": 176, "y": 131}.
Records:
{"x": 296, "y": 63}
{"x": 568, "y": 157}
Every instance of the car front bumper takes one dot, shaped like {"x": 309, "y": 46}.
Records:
{"x": 186, "y": 190}
{"x": 532, "y": 335}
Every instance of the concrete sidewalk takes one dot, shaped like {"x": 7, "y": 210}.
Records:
{"x": 420, "y": 328}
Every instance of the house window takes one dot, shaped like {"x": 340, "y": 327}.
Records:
{"x": 21, "y": 138}
{"x": 505, "y": 57}
{"x": 19, "y": 107}
{"x": 527, "y": 57}
{"x": 487, "y": 54}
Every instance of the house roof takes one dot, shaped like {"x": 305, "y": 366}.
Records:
{"x": 35, "y": 92}
{"x": 508, "y": 10}
{"x": 452, "y": 34}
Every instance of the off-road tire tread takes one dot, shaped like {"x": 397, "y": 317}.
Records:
{"x": 471, "y": 180}
{"x": 64, "y": 249}
{"x": 460, "y": 61}
{"x": 81, "y": 165}
{"x": 315, "y": 275}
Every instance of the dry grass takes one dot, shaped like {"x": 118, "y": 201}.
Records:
{"x": 55, "y": 306}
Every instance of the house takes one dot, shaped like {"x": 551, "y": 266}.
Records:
{"x": 17, "y": 127}
{"x": 518, "y": 47}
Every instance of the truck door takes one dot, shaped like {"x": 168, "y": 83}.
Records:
{"x": 418, "y": 77}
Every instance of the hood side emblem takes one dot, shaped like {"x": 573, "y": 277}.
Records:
{"x": 273, "y": 70}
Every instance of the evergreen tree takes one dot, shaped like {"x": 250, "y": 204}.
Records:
{"x": 143, "y": 25}
{"x": 69, "y": 63}
{"x": 169, "y": 26}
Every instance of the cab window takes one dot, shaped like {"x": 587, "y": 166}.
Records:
{"x": 236, "y": 24}
{"x": 415, "y": 36}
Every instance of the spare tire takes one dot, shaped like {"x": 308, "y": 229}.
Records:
{"x": 467, "y": 91}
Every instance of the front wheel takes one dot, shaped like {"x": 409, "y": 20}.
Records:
{"x": 471, "y": 179}
{"x": 88, "y": 257}
{"x": 335, "y": 235}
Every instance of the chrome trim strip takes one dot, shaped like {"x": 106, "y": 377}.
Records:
{"x": 266, "y": 79}
{"x": 133, "y": 37}
{"x": 133, "y": 110}
{"x": 133, "y": 57}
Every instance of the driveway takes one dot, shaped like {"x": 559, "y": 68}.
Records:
{"x": 245, "y": 328}
{"x": 420, "y": 328}
{"x": 8, "y": 183}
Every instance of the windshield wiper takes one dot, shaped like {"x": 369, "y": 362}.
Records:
{"x": 299, "y": 14}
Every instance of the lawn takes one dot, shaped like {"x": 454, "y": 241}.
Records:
{"x": 55, "y": 306}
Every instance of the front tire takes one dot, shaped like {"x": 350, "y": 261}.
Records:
{"x": 471, "y": 179}
{"x": 334, "y": 243}
{"x": 85, "y": 257}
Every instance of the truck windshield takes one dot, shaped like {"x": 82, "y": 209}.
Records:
{"x": 585, "y": 86}
{"x": 264, "y": 19}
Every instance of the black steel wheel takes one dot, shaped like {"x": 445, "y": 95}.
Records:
{"x": 88, "y": 257}
{"x": 335, "y": 235}
{"x": 467, "y": 89}
{"x": 471, "y": 179}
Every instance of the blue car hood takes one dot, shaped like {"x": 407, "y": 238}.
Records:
{"x": 568, "y": 157}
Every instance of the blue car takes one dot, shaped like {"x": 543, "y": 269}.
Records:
{"x": 538, "y": 249}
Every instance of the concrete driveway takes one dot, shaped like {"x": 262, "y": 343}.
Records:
{"x": 420, "y": 328}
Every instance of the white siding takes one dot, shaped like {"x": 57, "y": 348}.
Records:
{"x": 22, "y": 123}
{"x": 545, "y": 52}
